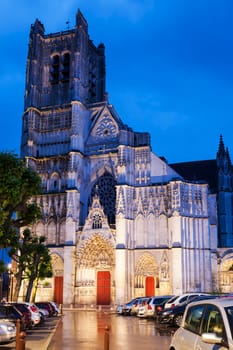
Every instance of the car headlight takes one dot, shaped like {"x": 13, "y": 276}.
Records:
{"x": 166, "y": 313}
{"x": 6, "y": 328}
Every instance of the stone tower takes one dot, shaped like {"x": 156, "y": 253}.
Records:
{"x": 225, "y": 196}
{"x": 65, "y": 72}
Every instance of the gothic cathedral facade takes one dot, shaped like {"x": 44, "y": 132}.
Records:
{"x": 118, "y": 220}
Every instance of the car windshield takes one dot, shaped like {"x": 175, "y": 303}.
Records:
{"x": 159, "y": 300}
{"x": 229, "y": 312}
{"x": 172, "y": 299}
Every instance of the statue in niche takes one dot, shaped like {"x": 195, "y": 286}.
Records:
{"x": 164, "y": 270}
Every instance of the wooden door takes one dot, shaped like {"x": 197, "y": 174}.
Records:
{"x": 150, "y": 286}
{"x": 58, "y": 289}
{"x": 103, "y": 288}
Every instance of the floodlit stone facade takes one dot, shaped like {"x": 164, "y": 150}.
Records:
{"x": 119, "y": 221}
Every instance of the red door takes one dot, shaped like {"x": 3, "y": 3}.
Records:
{"x": 150, "y": 286}
{"x": 103, "y": 287}
{"x": 58, "y": 289}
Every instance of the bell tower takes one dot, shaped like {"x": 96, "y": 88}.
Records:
{"x": 65, "y": 75}
{"x": 225, "y": 196}
{"x": 63, "y": 68}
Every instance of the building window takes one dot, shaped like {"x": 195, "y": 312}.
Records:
{"x": 54, "y": 69}
{"x": 65, "y": 71}
{"x": 97, "y": 221}
{"x": 107, "y": 194}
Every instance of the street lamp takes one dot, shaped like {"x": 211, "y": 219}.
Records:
{"x": 10, "y": 282}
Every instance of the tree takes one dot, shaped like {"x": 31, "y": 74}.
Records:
{"x": 18, "y": 184}
{"x": 39, "y": 266}
{"x": 20, "y": 253}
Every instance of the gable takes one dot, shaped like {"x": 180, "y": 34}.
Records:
{"x": 105, "y": 126}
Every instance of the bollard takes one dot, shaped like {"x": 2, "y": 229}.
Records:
{"x": 17, "y": 334}
{"x": 60, "y": 308}
{"x": 106, "y": 338}
{"x": 20, "y": 337}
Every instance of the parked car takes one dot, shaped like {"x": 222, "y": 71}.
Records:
{"x": 35, "y": 313}
{"x": 127, "y": 307}
{"x": 10, "y": 313}
{"x": 56, "y": 308}
{"x": 7, "y": 332}
{"x": 206, "y": 325}
{"x": 173, "y": 315}
{"x": 139, "y": 302}
{"x": 43, "y": 313}
{"x": 47, "y": 306}
{"x": 24, "y": 310}
{"x": 179, "y": 299}
{"x": 159, "y": 308}
{"x": 148, "y": 308}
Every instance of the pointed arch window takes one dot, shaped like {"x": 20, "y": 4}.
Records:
{"x": 54, "y": 69}
{"x": 65, "y": 71}
{"x": 97, "y": 221}
{"x": 107, "y": 194}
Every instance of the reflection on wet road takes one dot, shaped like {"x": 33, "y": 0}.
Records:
{"x": 85, "y": 330}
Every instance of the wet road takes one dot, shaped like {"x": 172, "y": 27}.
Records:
{"x": 85, "y": 330}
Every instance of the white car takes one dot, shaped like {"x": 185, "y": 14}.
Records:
{"x": 137, "y": 304}
{"x": 179, "y": 299}
{"x": 7, "y": 332}
{"x": 35, "y": 314}
{"x": 206, "y": 325}
{"x": 148, "y": 309}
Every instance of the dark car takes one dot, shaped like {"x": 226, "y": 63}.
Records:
{"x": 10, "y": 313}
{"x": 173, "y": 316}
{"x": 24, "y": 310}
{"x": 47, "y": 306}
{"x": 159, "y": 308}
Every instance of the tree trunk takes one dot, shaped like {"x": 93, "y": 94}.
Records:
{"x": 32, "y": 278}
{"x": 18, "y": 278}
{"x": 29, "y": 289}
{"x": 35, "y": 290}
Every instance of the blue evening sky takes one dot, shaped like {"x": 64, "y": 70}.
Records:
{"x": 169, "y": 67}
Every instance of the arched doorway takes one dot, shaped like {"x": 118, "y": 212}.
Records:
{"x": 95, "y": 269}
{"x": 58, "y": 269}
{"x": 51, "y": 288}
{"x": 146, "y": 272}
{"x": 226, "y": 276}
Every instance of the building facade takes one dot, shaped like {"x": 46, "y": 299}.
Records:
{"x": 120, "y": 222}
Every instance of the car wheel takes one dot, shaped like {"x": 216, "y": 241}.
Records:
{"x": 177, "y": 320}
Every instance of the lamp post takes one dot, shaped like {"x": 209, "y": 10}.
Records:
{"x": 10, "y": 283}
{"x": 1, "y": 285}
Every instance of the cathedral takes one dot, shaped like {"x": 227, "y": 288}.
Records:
{"x": 119, "y": 221}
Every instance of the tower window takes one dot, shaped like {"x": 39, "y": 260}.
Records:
{"x": 54, "y": 70}
{"x": 65, "y": 71}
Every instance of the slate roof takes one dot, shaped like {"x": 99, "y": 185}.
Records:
{"x": 202, "y": 170}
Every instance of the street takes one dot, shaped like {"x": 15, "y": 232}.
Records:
{"x": 85, "y": 330}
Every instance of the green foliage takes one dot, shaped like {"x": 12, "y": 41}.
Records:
{"x": 18, "y": 184}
